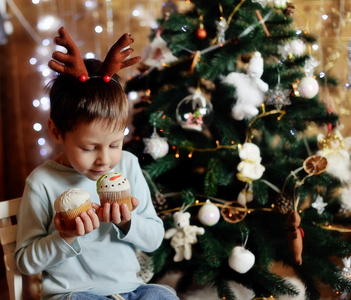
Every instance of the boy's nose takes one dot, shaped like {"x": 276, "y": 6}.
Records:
{"x": 104, "y": 158}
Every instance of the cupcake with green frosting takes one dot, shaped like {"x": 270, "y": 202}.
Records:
{"x": 112, "y": 188}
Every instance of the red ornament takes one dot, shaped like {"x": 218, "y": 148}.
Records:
{"x": 201, "y": 33}
{"x": 106, "y": 78}
{"x": 82, "y": 78}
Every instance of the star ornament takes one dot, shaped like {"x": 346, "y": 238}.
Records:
{"x": 278, "y": 97}
{"x": 319, "y": 205}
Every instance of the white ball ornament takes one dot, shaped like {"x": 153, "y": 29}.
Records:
{"x": 308, "y": 87}
{"x": 156, "y": 146}
{"x": 209, "y": 214}
{"x": 241, "y": 260}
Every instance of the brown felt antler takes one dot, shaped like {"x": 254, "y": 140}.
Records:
{"x": 70, "y": 63}
{"x": 115, "y": 58}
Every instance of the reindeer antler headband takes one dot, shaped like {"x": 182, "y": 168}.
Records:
{"x": 71, "y": 63}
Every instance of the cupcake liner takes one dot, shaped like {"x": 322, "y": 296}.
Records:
{"x": 70, "y": 215}
{"x": 120, "y": 198}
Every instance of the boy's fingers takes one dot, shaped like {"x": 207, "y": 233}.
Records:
{"x": 106, "y": 213}
{"x": 116, "y": 213}
{"x": 135, "y": 202}
{"x": 79, "y": 226}
{"x": 87, "y": 222}
{"x": 125, "y": 212}
{"x": 95, "y": 206}
{"x": 94, "y": 218}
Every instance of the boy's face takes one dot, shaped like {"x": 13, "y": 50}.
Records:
{"x": 93, "y": 149}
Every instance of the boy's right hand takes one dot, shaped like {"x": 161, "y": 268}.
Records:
{"x": 85, "y": 223}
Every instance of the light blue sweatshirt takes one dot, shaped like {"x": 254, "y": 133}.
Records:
{"x": 102, "y": 262}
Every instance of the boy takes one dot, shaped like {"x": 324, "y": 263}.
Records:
{"x": 96, "y": 260}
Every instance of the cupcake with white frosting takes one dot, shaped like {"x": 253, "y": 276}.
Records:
{"x": 70, "y": 204}
{"x": 112, "y": 188}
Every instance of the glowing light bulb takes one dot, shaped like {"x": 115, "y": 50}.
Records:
{"x": 43, "y": 152}
{"x": 33, "y": 61}
{"x": 136, "y": 13}
{"x": 45, "y": 42}
{"x": 133, "y": 95}
{"x": 46, "y": 72}
{"x": 45, "y": 103}
{"x": 41, "y": 141}
{"x": 37, "y": 126}
{"x": 48, "y": 22}
{"x": 36, "y": 103}
{"x": 90, "y": 55}
{"x": 98, "y": 29}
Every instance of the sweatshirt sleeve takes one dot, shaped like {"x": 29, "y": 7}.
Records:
{"x": 146, "y": 231}
{"x": 38, "y": 245}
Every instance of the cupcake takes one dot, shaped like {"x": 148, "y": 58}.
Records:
{"x": 112, "y": 188}
{"x": 70, "y": 204}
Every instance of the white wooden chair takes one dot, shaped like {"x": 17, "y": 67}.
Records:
{"x": 8, "y": 211}
{"x": 17, "y": 283}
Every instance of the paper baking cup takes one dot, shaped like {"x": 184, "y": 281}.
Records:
{"x": 116, "y": 197}
{"x": 70, "y": 215}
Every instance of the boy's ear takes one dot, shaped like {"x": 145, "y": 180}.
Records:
{"x": 53, "y": 131}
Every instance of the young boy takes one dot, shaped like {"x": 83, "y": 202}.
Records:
{"x": 97, "y": 260}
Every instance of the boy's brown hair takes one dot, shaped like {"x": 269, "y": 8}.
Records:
{"x": 73, "y": 102}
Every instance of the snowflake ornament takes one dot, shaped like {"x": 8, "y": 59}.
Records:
{"x": 319, "y": 204}
{"x": 278, "y": 97}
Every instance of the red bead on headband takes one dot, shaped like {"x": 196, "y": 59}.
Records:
{"x": 71, "y": 63}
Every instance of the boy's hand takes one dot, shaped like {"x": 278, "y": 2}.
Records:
{"x": 118, "y": 214}
{"x": 85, "y": 223}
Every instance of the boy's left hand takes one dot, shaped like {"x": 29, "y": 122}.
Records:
{"x": 118, "y": 214}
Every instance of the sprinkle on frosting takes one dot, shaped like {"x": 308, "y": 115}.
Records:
{"x": 112, "y": 182}
{"x": 70, "y": 199}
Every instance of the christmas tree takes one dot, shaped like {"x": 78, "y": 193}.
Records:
{"x": 227, "y": 92}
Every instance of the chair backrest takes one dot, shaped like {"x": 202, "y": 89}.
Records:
{"x": 8, "y": 211}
